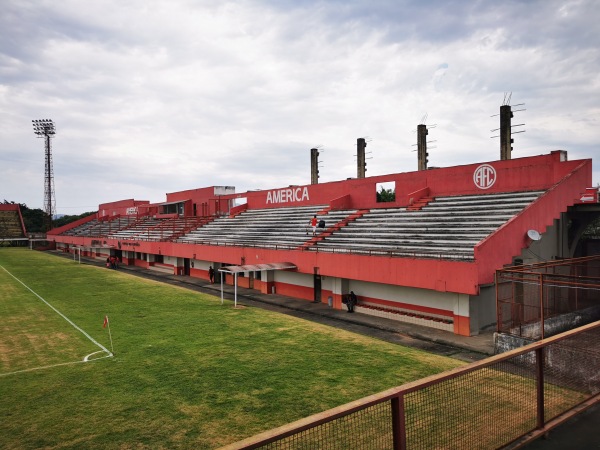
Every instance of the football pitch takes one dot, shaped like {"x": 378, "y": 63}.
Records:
{"x": 187, "y": 372}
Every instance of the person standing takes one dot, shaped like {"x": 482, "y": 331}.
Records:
{"x": 313, "y": 224}
{"x": 211, "y": 275}
{"x": 351, "y": 302}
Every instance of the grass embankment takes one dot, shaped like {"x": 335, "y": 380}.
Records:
{"x": 188, "y": 371}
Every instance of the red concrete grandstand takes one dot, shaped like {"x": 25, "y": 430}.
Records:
{"x": 428, "y": 257}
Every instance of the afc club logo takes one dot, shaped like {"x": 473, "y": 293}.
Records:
{"x": 484, "y": 176}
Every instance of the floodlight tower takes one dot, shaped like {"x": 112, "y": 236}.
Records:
{"x": 44, "y": 128}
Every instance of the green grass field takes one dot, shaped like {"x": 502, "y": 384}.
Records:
{"x": 188, "y": 372}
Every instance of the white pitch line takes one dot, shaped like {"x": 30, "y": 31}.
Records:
{"x": 53, "y": 365}
{"x": 61, "y": 315}
{"x": 87, "y": 358}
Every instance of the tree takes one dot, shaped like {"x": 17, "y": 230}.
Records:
{"x": 592, "y": 231}
{"x": 68, "y": 219}
{"x": 34, "y": 219}
{"x": 386, "y": 195}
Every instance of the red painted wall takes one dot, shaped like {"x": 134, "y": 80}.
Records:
{"x": 499, "y": 248}
{"x": 291, "y": 290}
{"x": 9, "y": 207}
{"x": 122, "y": 208}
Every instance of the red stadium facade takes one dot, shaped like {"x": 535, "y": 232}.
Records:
{"x": 428, "y": 257}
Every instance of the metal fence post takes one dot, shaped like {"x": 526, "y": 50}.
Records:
{"x": 398, "y": 422}
{"x": 539, "y": 363}
{"x": 541, "y": 293}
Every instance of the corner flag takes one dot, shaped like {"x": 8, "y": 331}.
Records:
{"x": 107, "y": 324}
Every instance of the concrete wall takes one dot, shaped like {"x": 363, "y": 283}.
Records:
{"x": 419, "y": 299}
{"x": 550, "y": 246}
{"x": 555, "y": 325}
{"x": 569, "y": 366}
{"x": 483, "y": 309}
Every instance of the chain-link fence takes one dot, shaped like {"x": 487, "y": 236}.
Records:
{"x": 494, "y": 403}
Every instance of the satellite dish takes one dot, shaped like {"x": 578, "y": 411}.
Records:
{"x": 534, "y": 235}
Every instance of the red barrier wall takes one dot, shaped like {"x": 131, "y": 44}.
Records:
{"x": 498, "y": 249}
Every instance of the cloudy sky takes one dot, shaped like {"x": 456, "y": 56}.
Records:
{"x": 153, "y": 96}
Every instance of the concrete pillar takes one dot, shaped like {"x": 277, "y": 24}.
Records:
{"x": 505, "y": 132}
{"x": 268, "y": 281}
{"x": 422, "y": 155}
{"x": 361, "y": 163}
{"x": 462, "y": 319}
{"x": 314, "y": 166}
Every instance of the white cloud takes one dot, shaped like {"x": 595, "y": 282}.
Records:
{"x": 152, "y": 97}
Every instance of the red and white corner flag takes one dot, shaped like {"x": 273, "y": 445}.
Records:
{"x": 104, "y": 325}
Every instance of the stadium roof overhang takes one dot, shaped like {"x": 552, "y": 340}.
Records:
{"x": 172, "y": 203}
{"x": 235, "y": 270}
{"x": 151, "y": 205}
{"x": 258, "y": 267}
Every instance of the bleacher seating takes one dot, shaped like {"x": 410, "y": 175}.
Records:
{"x": 100, "y": 228}
{"x": 448, "y": 227}
{"x": 445, "y": 227}
{"x": 276, "y": 227}
{"x": 146, "y": 228}
{"x": 10, "y": 225}
{"x": 157, "y": 229}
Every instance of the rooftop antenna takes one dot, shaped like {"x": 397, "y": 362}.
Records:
{"x": 44, "y": 128}
{"x": 506, "y": 115}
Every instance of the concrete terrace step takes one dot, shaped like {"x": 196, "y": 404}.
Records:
{"x": 442, "y": 253}
{"x": 267, "y": 227}
{"x": 505, "y": 195}
{"x": 448, "y": 225}
{"x": 403, "y": 237}
{"x": 401, "y": 243}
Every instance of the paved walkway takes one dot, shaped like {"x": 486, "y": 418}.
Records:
{"x": 582, "y": 432}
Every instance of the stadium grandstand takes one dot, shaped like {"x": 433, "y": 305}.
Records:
{"x": 427, "y": 257}
{"x": 12, "y": 227}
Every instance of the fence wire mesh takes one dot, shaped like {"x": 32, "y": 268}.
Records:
{"x": 479, "y": 410}
{"x": 484, "y": 405}
{"x": 369, "y": 428}
{"x": 571, "y": 372}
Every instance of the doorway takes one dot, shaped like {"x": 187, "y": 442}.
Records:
{"x": 317, "y": 286}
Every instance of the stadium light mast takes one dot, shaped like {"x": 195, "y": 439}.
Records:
{"x": 44, "y": 128}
